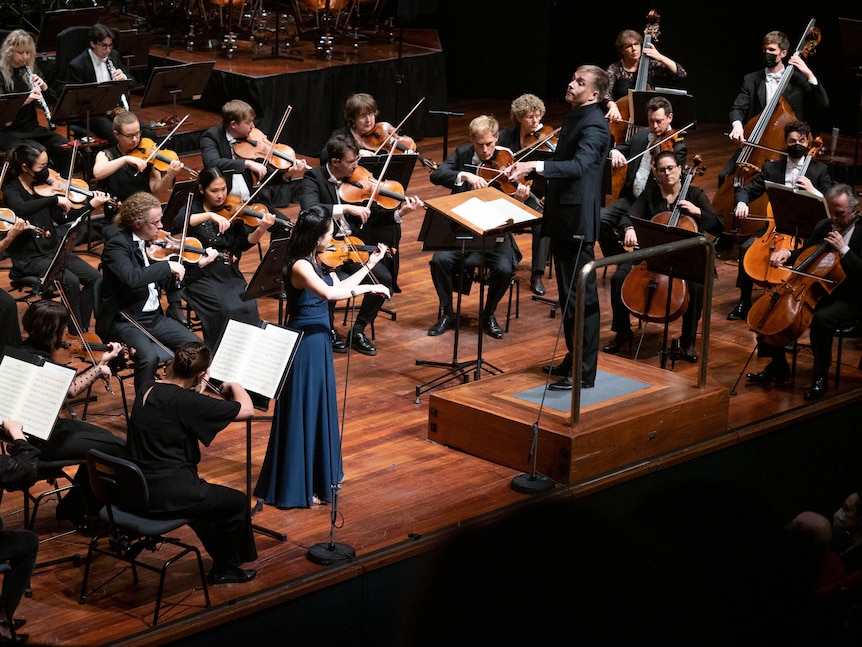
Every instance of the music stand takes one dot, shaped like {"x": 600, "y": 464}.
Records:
{"x": 179, "y": 198}
{"x": 450, "y": 223}
{"x": 796, "y": 211}
{"x": 56, "y": 21}
{"x": 400, "y": 167}
{"x": 684, "y": 264}
{"x": 170, "y": 84}
{"x": 61, "y": 257}
{"x": 10, "y": 105}
{"x": 851, "y": 52}
{"x": 682, "y": 103}
{"x": 268, "y": 278}
{"x": 79, "y": 100}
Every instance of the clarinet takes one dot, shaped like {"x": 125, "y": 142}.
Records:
{"x": 28, "y": 77}
{"x": 111, "y": 69}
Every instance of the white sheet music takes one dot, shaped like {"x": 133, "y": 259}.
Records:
{"x": 491, "y": 215}
{"x": 33, "y": 394}
{"x": 255, "y": 357}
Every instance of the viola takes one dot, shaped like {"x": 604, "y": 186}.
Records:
{"x": 764, "y": 141}
{"x": 81, "y": 347}
{"x": 160, "y": 158}
{"x": 258, "y": 147}
{"x": 166, "y": 248}
{"x": 492, "y": 170}
{"x": 8, "y": 220}
{"x": 362, "y": 185}
{"x": 781, "y": 315}
{"x": 545, "y": 139}
{"x": 656, "y": 297}
{"x": 385, "y": 134}
{"x": 349, "y": 248}
{"x": 76, "y": 189}
{"x": 250, "y": 214}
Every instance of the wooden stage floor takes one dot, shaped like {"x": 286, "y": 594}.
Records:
{"x": 402, "y": 494}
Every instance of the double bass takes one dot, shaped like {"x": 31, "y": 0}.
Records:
{"x": 656, "y": 297}
{"x": 764, "y": 141}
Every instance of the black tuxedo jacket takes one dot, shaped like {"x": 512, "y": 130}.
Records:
{"x": 774, "y": 171}
{"x": 80, "y": 68}
{"x": 637, "y": 145}
{"x": 216, "y": 151}
{"x": 751, "y": 99}
{"x": 851, "y": 288}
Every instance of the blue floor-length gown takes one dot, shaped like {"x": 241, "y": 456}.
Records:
{"x": 304, "y": 450}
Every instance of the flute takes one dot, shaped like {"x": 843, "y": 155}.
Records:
{"x": 111, "y": 69}
{"x": 44, "y": 104}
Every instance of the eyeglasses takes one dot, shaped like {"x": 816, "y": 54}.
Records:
{"x": 667, "y": 169}
{"x": 105, "y": 45}
{"x": 130, "y": 135}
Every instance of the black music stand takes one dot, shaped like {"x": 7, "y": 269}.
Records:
{"x": 179, "y": 198}
{"x": 174, "y": 83}
{"x": 10, "y": 105}
{"x": 80, "y": 100}
{"x": 684, "y": 264}
{"x": 851, "y": 54}
{"x": 56, "y": 21}
{"x": 400, "y": 167}
{"x": 796, "y": 211}
{"x": 268, "y": 279}
{"x": 61, "y": 257}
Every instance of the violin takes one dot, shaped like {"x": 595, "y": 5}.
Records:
{"x": 492, "y": 171}
{"x": 764, "y": 141}
{"x": 8, "y": 220}
{"x": 548, "y": 137}
{"x": 349, "y": 248}
{"x": 650, "y": 296}
{"x": 76, "y": 189}
{"x": 161, "y": 158}
{"x": 384, "y": 134}
{"x": 250, "y": 214}
{"x": 362, "y": 185}
{"x": 756, "y": 259}
{"x": 781, "y": 315}
{"x": 166, "y": 248}
{"x": 258, "y": 147}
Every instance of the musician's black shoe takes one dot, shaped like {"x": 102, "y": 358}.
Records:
{"x": 443, "y": 324}
{"x": 688, "y": 351}
{"x": 492, "y": 327}
{"x": 175, "y": 311}
{"x": 536, "y": 284}
{"x": 562, "y": 369}
{"x": 740, "y": 311}
{"x": 358, "y": 341}
{"x": 772, "y": 373}
{"x": 338, "y": 345}
{"x": 566, "y": 385}
{"x": 818, "y": 389}
{"x": 623, "y": 338}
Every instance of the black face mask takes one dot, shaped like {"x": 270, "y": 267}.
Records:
{"x": 41, "y": 177}
{"x": 770, "y": 60}
{"x": 796, "y": 151}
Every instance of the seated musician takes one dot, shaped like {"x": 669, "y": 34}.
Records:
{"x": 217, "y": 149}
{"x": 32, "y": 251}
{"x": 217, "y": 296}
{"x": 130, "y": 310}
{"x": 374, "y": 225}
{"x": 843, "y": 305}
{"x": 526, "y": 113}
{"x": 18, "y": 67}
{"x": 622, "y": 74}
{"x": 460, "y": 173}
{"x": 639, "y": 172}
{"x": 360, "y": 118}
{"x": 658, "y": 197}
{"x": 169, "y": 421}
{"x": 786, "y": 170}
{"x": 10, "y": 329}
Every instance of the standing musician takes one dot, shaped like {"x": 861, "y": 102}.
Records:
{"x": 660, "y": 197}
{"x": 217, "y": 296}
{"x": 526, "y": 113}
{"x": 237, "y": 122}
{"x": 758, "y": 89}
{"x": 622, "y": 73}
{"x": 375, "y": 225}
{"x": 131, "y": 286}
{"x": 18, "y": 67}
{"x": 31, "y": 253}
{"x": 786, "y": 171}
{"x": 639, "y": 173}
{"x": 501, "y": 260}
{"x": 833, "y": 310}
{"x": 572, "y": 215}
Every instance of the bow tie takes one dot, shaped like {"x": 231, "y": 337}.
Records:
{"x": 773, "y": 77}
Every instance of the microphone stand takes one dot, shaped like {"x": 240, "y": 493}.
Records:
{"x": 332, "y": 552}
{"x": 535, "y": 483}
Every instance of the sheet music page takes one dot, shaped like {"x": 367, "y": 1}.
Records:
{"x": 255, "y": 357}
{"x": 33, "y": 394}
{"x": 491, "y": 215}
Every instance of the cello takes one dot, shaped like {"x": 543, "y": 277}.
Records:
{"x": 756, "y": 259}
{"x": 651, "y": 296}
{"x": 764, "y": 141}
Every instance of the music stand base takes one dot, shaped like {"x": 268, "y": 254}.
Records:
{"x": 532, "y": 484}
{"x": 455, "y": 370}
{"x": 330, "y": 553}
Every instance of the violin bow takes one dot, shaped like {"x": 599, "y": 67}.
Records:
{"x": 529, "y": 149}
{"x": 401, "y": 123}
{"x": 253, "y": 195}
{"x": 159, "y": 146}
{"x": 376, "y": 188}
{"x": 80, "y": 335}
{"x": 268, "y": 157}
{"x": 71, "y": 170}
{"x": 659, "y": 143}
{"x": 186, "y": 223}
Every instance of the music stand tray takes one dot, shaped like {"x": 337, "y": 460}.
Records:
{"x": 400, "y": 167}
{"x": 10, "y": 105}
{"x": 80, "y": 100}
{"x": 174, "y": 83}
{"x": 796, "y": 211}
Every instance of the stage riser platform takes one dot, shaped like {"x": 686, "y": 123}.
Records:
{"x": 484, "y": 419}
